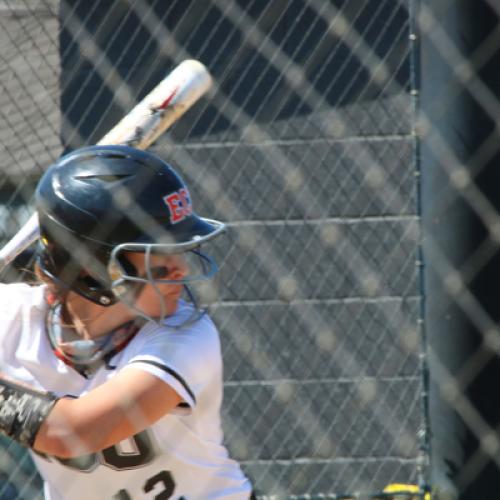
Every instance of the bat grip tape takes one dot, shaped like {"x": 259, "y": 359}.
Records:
{"x": 22, "y": 411}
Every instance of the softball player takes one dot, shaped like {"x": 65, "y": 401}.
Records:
{"x": 110, "y": 376}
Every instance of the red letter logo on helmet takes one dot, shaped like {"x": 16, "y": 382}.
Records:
{"x": 179, "y": 205}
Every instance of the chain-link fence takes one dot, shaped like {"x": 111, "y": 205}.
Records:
{"x": 307, "y": 148}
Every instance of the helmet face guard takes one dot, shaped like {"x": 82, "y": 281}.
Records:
{"x": 127, "y": 285}
{"x": 118, "y": 272}
{"x": 98, "y": 203}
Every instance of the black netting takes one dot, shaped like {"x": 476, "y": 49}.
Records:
{"x": 306, "y": 147}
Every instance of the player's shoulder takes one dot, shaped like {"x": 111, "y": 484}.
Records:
{"x": 186, "y": 327}
{"x": 184, "y": 346}
{"x": 187, "y": 320}
{"x": 15, "y": 296}
{"x": 21, "y": 308}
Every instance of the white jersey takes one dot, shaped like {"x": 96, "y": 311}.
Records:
{"x": 180, "y": 457}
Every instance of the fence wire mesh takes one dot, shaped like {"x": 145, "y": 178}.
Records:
{"x": 306, "y": 147}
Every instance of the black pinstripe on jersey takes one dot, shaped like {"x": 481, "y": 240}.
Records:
{"x": 170, "y": 371}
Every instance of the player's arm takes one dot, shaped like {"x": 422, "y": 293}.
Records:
{"x": 125, "y": 405}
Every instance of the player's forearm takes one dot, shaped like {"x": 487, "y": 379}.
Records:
{"x": 59, "y": 427}
{"x": 69, "y": 431}
{"x": 127, "y": 404}
{"x": 67, "y": 427}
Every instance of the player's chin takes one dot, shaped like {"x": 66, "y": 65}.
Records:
{"x": 155, "y": 308}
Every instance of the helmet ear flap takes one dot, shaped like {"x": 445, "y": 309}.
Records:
{"x": 66, "y": 272}
{"x": 119, "y": 268}
{"x": 55, "y": 261}
{"x": 129, "y": 268}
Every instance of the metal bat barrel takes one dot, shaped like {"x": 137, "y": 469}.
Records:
{"x": 162, "y": 107}
{"x": 159, "y": 110}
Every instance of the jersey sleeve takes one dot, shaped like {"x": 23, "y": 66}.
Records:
{"x": 186, "y": 359}
{"x": 21, "y": 307}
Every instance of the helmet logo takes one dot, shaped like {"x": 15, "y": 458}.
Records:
{"x": 179, "y": 205}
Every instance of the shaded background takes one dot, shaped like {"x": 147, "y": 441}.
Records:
{"x": 307, "y": 148}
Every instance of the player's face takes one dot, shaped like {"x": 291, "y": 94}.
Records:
{"x": 172, "y": 267}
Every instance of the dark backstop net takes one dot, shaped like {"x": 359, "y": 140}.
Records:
{"x": 306, "y": 148}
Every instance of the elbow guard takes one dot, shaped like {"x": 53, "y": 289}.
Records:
{"x": 23, "y": 410}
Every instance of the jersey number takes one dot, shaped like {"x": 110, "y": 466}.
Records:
{"x": 130, "y": 454}
{"x": 163, "y": 478}
{"x": 140, "y": 452}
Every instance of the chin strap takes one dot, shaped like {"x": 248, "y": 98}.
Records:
{"x": 23, "y": 410}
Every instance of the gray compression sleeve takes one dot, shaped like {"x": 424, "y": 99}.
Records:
{"x": 22, "y": 411}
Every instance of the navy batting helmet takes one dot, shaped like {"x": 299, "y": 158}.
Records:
{"x": 98, "y": 201}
